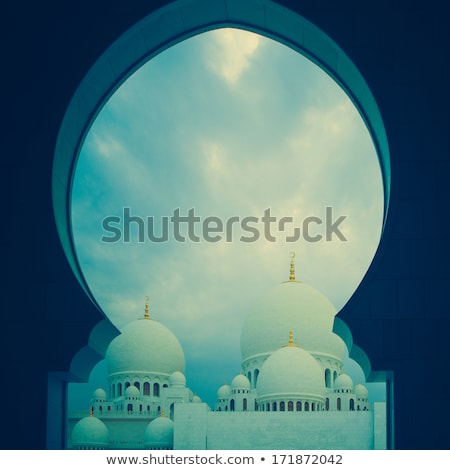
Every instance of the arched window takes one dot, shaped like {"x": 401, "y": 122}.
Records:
{"x": 100, "y": 408}
{"x": 274, "y": 406}
{"x": 127, "y": 384}
{"x": 244, "y": 404}
{"x": 232, "y": 404}
{"x": 298, "y": 406}
{"x": 156, "y": 389}
{"x": 267, "y": 406}
{"x": 306, "y": 406}
{"x": 119, "y": 386}
{"x": 249, "y": 376}
{"x": 137, "y": 385}
{"x": 313, "y": 407}
{"x": 290, "y": 406}
{"x": 282, "y": 406}
{"x": 327, "y": 404}
{"x": 130, "y": 408}
{"x": 339, "y": 404}
{"x": 256, "y": 375}
{"x": 352, "y": 404}
{"x": 327, "y": 378}
{"x": 146, "y": 389}
{"x": 140, "y": 408}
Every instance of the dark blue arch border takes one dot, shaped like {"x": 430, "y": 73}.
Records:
{"x": 163, "y": 28}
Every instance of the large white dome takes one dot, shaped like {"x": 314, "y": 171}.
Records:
{"x": 326, "y": 344}
{"x": 291, "y": 373}
{"x": 90, "y": 432}
{"x": 159, "y": 434}
{"x": 145, "y": 346}
{"x": 290, "y": 305}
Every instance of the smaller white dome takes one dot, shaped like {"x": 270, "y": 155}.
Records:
{"x": 240, "y": 382}
{"x": 361, "y": 392}
{"x": 291, "y": 373}
{"x": 90, "y": 432}
{"x": 159, "y": 434}
{"x": 132, "y": 392}
{"x": 224, "y": 391}
{"x": 196, "y": 399}
{"x": 343, "y": 382}
{"x": 99, "y": 395}
{"x": 177, "y": 379}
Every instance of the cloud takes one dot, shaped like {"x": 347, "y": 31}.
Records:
{"x": 230, "y": 52}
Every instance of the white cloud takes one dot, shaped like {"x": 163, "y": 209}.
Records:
{"x": 108, "y": 147}
{"x": 230, "y": 52}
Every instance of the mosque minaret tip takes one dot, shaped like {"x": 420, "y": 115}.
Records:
{"x": 146, "y": 314}
{"x": 292, "y": 269}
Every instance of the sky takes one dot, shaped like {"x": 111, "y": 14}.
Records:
{"x": 231, "y": 128}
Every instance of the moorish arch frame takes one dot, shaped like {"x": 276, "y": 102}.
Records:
{"x": 167, "y": 26}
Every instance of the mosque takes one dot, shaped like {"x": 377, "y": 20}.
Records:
{"x": 292, "y": 391}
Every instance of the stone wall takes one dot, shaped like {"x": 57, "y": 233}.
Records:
{"x": 197, "y": 428}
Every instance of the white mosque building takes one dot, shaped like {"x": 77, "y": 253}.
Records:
{"x": 292, "y": 392}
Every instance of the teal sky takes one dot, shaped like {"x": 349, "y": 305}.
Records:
{"x": 228, "y": 123}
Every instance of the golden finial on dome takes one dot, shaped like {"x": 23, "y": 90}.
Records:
{"x": 146, "y": 315}
{"x": 292, "y": 269}
{"x": 291, "y": 340}
{"x": 91, "y": 411}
